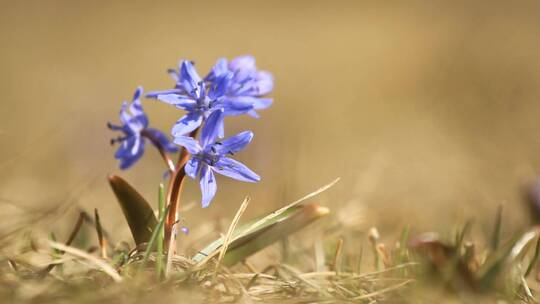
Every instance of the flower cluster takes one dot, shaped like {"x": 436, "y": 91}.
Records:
{"x": 136, "y": 131}
{"x": 231, "y": 88}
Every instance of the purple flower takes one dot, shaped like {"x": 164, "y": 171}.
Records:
{"x": 210, "y": 156}
{"x": 199, "y": 98}
{"x": 247, "y": 85}
{"x": 136, "y": 131}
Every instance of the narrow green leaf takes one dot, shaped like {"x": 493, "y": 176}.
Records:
{"x": 495, "y": 238}
{"x": 137, "y": 211}
{"x": 153, "y": 238}
{"x": 460, "y": 237}
{"x": 261, "y": 232}
{"x": 160, "y": 236}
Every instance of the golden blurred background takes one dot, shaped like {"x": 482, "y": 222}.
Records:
{"x": 428, "y": 110}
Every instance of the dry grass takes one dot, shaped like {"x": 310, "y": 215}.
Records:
{"x": 424, "y": 269}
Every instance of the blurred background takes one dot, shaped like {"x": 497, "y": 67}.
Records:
{"x": 427, "y": 110}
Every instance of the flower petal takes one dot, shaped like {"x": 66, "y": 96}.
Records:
{"x": 219, "y": 86}
{"x": 138, "y": 116}
{"x": 234, "y": 143}
{"x": 189, "y": 77}
{"x": 218, "y": 70}
{"x": 253, "y": 114}
{"x": 180, "y": 101}
{"x": 124, "y": 115}
{"x": 221, "y": 129}
{"x": 137, "y": 94}
{"x": 233, "y": 106}
{"x": 243, "y": 63}
{"x": 262, "y": 103}
{"x": 234, "y": 169}
{"x": 187, "y": 124}
{"x": 211, "y": 128}
{"x": 155, "y": 94}
{"x": 264, "y": 82}
{"x": 192, "y": 167}
{"x": 191, "y": 144}
{"x": 130, "y": 151}
{"x": 208, "y": 185}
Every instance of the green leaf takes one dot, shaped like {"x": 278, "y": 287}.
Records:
{"x": 496, "y": 236}
{"x": 137, "y": 211}
{"x": 261, "y": 232}
{"x": 161, "y": 236}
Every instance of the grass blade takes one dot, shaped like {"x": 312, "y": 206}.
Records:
{"x": 247, "y": 242}
{"x": 82, "y": 217}
{"x": 230, "y": 231}
{"x": 496, "y": 237}
{"x": 534, "y": 258}
{"x": 260, "y": 224}
{"x": 153, "y": 238}
{"x": 160, "y": 237}
{"x": 101, "y": 239}
{"x": 108, "y": 269}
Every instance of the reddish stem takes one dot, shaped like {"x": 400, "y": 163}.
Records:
{"x": 173, "y": 195}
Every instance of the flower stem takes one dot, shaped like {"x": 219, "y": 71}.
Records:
{"x": 173, "y": 196}
{"x": 168, "y": 161}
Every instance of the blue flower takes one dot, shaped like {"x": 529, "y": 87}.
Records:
{"x": 136, "y": 131}
{"x": 247, "y": 85}
{"x": 199, "y": 98}
{"x": 210, "y": 156}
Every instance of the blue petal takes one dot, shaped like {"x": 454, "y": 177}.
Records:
{"x": 132, "y": 115}
{"x": 211, "y": 128}
{"x": 219, "y": 86}
{"x": 233, "y": 106}
{"x": 192, "y": 167}
{"x": 130, "y": 151}
{"x": 189, "y": 77}
{"x": 256, "y": 102}
{"x": 136, "y": 109}
{"x": 191, "y": 144}
{"x": 138, "y": 93}
{"x": 218, "y": 70}
{"x": 234, "y": 169}
{"x": 243, "y": 63}
{"x": 262, "y": 103}
{"x": 155, "y": 94}
{"x": 235, "y": 143}
{"x": 124, "y": 115}
{"x": 180, "y": 101}
{"x": 208, "y": 185}
{"x": 221, "y": 129}
{"x": 187, "y": 124}
{"x": 163, "y": 140}
{"x": 264, "y": 82}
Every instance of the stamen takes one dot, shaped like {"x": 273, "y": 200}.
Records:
{"x": 117, "y": 140}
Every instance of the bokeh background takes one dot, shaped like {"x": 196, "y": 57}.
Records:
{"x": 427, "y": 110}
